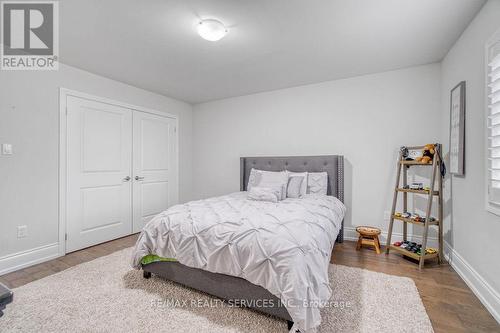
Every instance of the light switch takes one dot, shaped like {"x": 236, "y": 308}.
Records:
{"x": 22, "y": 231}
{"x": 6, "y": 149}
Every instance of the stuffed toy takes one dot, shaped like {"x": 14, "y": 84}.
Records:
{"x": 427, "y": 154}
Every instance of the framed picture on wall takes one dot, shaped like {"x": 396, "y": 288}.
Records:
{"x": 457, "y": 130}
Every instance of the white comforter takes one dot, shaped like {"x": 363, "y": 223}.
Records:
{"x": 284, "y": 247}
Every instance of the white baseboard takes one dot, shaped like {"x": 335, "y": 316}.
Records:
{"x": 19, "y": 260}
{"x": 481, "y": 288}
{"x": 351, "y": 234}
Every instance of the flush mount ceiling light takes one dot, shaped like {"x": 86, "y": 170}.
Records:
{"x": 211, "y": 30}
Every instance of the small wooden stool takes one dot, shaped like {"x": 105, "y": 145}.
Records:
{"x": 368, "y": 236}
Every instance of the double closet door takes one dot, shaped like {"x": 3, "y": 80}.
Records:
{"x": 121, "y": 170}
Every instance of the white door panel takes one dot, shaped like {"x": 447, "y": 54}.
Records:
{"x": 154, "y": 136}
{"x": 154, "y": 195}
{"x": 155, "y": 166}
{"x": 102, "y": 137}
{"x": 99, "y": 159}
{"x": 121, "y": 167}
{"x": 95, "y": 214}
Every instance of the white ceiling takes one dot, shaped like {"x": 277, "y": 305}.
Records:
{"x": 271, "y": 44}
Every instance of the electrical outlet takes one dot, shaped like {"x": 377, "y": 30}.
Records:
{"x": 387, "y": 215}
{"x": 22, "y": 231}
{"x": 6, "y": 149}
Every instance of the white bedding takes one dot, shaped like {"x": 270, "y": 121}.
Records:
{"x": 284, "y": 247}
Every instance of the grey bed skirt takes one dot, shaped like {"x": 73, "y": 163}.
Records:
{"x": 235, "y": 290}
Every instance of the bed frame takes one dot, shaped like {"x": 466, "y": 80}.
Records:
{"x": 234, "y": 288}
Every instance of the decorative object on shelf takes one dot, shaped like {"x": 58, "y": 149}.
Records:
{"x": 414, "y": 154}
{"x": 431, "y": 158}
{"x": 413, "y": 217}
{"x": 368, "y": 236}
{"x": 411, "y": 154}
{"x": 416, "y": 186}
{"x": 406, "y": 154}
{"x": 414, "y": 247}
{"x": 457, "y": 130}
{"x": 427, "y": 154}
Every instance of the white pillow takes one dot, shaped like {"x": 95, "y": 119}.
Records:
{"x": 269, "y": 179}
{"x": 303, "y": 186}
{"x": 317, "y": 183}
{"x": 263, "y": 194}
{"x": 293, "y": 187}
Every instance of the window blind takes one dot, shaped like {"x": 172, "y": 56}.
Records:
{"x": 494, "y": 124}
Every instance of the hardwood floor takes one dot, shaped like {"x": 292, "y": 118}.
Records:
{"x": 451, "y": 305}
{"x": 36, "y": 272}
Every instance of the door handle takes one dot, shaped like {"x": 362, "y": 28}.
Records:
{"x": 126, "y": 179}
{"x": 139, "y": 178}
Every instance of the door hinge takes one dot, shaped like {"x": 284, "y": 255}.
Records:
{"x": 175, "y": 129}
{"x": 66, "y": 111}
{"x": 65, "y": 236}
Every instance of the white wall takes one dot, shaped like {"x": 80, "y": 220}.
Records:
{"x": 29, "y": 119}
{"x": 365, "y": 118}
{"x": 471, "y": 231}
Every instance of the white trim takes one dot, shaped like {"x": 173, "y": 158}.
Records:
{"x": 19, "y": 260}
{"x": 68, "y": 92}
{"x": 63, "y": 94}
{"x": 62, "y": 172}
{"x": 480, "y": 287}
{"x": 490, "y": 207}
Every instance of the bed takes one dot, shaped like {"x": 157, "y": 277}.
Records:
{"x": 234, "y": 283}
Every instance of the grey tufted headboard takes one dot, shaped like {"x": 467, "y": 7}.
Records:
{"x": 332, "y": 164}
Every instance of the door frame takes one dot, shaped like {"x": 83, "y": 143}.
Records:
{"x": 63, "y": 132}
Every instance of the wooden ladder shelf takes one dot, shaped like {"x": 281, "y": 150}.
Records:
{"x": 402, "y": 166}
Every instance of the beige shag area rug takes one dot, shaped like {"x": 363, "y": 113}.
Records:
{"x": 106, "y": 295}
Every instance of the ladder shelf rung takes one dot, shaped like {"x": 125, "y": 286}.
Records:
{"x": 414, "y": 163}
{"x": 404, "y": 219}
{"x": 409, "y": 190}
